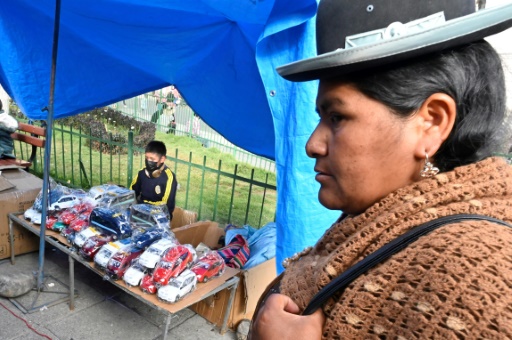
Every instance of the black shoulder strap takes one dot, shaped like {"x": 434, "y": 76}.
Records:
{"x": 385, "y": 252}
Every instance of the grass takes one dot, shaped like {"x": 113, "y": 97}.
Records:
{"x": 208, "y": 182}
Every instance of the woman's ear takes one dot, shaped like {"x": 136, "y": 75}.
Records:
{"x": 437, "y": 117}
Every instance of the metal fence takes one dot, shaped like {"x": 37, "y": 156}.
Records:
{"x": 181, "y": 120}
{"x": 225, "y": 194}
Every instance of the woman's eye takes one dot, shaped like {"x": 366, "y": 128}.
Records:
{"x": 335, "y": 118}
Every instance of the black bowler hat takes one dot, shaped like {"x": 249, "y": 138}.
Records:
{"x": 355, "y": 35}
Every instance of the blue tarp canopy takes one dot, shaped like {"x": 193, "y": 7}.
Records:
{"x": 221, "y": 54}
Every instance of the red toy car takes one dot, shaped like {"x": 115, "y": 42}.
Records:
{"x": 50, "y": 221}
{"x": 121, "y": 260}
{"x": 93, "y": 245}
{"x": 148, "y": 285}
{"x": 68, "y": 216}
{"x": 208, "y": 266}
{"x": 175, "y": 260}
{"x": 80, "y": 223}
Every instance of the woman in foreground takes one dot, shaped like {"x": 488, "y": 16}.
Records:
{"x": 409, "y": 124}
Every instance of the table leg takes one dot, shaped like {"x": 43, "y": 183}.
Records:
{"x": 232, "y": 291}
{"x": 11, "y": 240}
{"x": 71, "y": 282}
{"x": 166, "y": 328}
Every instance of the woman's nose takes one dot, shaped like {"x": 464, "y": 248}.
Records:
{"x": 316, "y": 146}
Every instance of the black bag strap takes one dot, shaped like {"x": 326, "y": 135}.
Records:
{"x": 385, "y": 252}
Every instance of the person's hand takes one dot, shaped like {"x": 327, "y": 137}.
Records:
{"x": 278, "y": 319}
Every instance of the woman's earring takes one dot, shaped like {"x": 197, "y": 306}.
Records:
{"x": 429, "y": 170}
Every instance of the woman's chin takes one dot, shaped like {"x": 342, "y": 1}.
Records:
{"x": 330, "y": 202}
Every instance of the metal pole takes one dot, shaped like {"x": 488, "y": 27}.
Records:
{"x": 47, "y": 146}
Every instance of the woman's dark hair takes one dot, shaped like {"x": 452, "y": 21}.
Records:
{"x": 472, "y": 75}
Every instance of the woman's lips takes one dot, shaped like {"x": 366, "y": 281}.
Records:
{"x": 322, "y": 176}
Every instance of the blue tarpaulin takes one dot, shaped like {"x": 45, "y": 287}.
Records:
{"x": 221, "y": 54}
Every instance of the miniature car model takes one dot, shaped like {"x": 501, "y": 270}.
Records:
{"x": 144, "y": 237}
{"x": 69, "y": 234}
{"x": 111, "y": 222}
{"x": 29, "y": 213}
{"x": 68, "y": 216}
{"x": 153, "y": 254}
{"x": 50, "y": 221}
{"x": 148, "y": 285}
{"x": 118, "y": 198}
{"x": 80, "y": 223}
{"x": 57, "y": 226}
{"x": 36, "y": 217}
{"x": 208, "y": 266}
{"x": 82, "y": 236}
{"x": 150, "y": 215}
{"x": 83, "y": 208}
{"x": 97, "y": 192}
{"x": 121, "y": 260}
{"x": 93, "y": 245}
{"x": 66, "y": 201}
{"x": 107, "y": 251}
{"x": 134, "y": 274}
{"x": 175, "y": 260}
{"x": 178, "y": 287}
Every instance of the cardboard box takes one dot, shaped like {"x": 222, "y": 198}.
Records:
{"x": 18, "y": 190}
{"x": 182, "y": 217}
{"x": 252, "y": 281}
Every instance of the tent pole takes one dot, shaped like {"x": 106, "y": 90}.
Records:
{"x": 47, "y": 146}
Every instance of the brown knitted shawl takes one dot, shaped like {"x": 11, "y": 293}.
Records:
{"x": 454, "y": 283}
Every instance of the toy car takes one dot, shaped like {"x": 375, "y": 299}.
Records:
{"x": 209, "y": 266}
{"x": 83, "y": 208}
{"x": 148, "y": 285}
{"x": 68, "y": 216}
{"x": 57, "y": 226}
{"x": 69, "y": 234}
{"x": 153, "y": 254}
{"x": 118, "y": 198}
{"x": 178, "y": 287}
{"x": 66, "y": 201}
{"x": 134, "y": 274}
{"x": 50, "y": 221}
{"x": 97, "y": 192}
{"x": 111, "y": 222}
{"x": 80, "y": 223}
{"x": 36, "y": 217}
{"x": 144, "y": 237}
{"x": 119, "y": 263}
{"x": 82, "y": 236}
{"x": 150, "y": 215}
{"x": 30, "y": 212}
{"x": 108, "y": 250}
{"x": 175, "y": 260}
{"x": 93, "y": 245}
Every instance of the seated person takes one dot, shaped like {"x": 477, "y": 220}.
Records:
{"x": 156, "y": 183}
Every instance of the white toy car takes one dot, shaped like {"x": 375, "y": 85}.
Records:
{"x": 108, "y": 251}
{"x": 66, "y": 201}
{"x": 134, "y": 274}
{"x": 31, "y": 212}
{"x": 84, "y": 235}
{"x": 152, "y": 255}
{"x": 178, "y": 287}
{"x": 36, "y": 217}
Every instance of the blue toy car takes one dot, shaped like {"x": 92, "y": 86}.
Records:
{"x": 111, "y": 222}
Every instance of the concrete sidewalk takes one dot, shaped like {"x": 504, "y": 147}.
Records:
{"x": 102, "y": 311}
